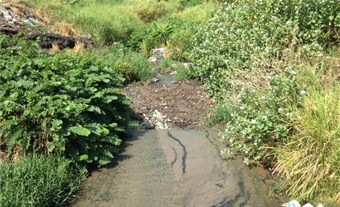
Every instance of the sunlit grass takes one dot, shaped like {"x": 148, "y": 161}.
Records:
{"x": 310, "y": 160}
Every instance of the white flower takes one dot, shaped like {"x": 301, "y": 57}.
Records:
{"x": 303, "y": 92}
{"x": 253, "y": 121}
{"x": 241, "y": 108}
{"x": 280, "y": 109}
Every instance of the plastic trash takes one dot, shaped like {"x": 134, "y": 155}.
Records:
{"x": 308, "y": 205}
{"x": 292, "y": 203}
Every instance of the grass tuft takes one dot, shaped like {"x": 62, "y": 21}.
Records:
{"x": 310, "y": 160}
{"x": 37, "y": 180}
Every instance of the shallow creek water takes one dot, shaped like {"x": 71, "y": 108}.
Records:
{"x": 176, "y": 167}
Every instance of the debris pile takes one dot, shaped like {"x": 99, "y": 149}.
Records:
{"x": 295, "y": 203}
{"x": 154, "y": 120}
{"x": 183, "y": 102}
{"x": 18, "y": 15}
{"x": 18, "y": 19}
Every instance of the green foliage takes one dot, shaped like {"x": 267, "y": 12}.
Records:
{"x": 108, "y": 23}
{"x": 174, "y": 31}
{"x": 261, "y": 120}
{"x": 37, "y": 180}
{"x": 65, "y": 103}
{"x": 242, "y": 31}
{"x": 188, "y": 3}
{"x": 151, "y": 10}
{"x": 153, "y": 35}
{"x": 182, "y": 73}
{"x": 132, "y": 65}
{"x": 310, "y": 159}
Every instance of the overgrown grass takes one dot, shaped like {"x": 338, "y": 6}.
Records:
{"x": 38, "y": 180}
{"x": 107, "y": 21}
{"x": 310, "y": 159}
{"x": 132, "y": 65}
{"x": 243, "y": 54}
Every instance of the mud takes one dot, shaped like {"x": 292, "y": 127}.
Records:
{"x": 184, "y": 103}
{"x": 178, "y": 167}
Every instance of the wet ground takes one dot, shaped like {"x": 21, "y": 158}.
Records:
{"x": 177, "y": 167}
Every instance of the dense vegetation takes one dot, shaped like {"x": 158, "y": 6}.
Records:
{"x": 62, "y": 112}
{"x": 37, "y": 180}
{"x": 272, "y": 67}
{"x": 63, "y": 103}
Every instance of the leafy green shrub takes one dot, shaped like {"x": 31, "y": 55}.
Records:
{"x": 66, "y": 103}
{"x": 37, "y": 180}
{"x": 242, "y": 31}
{"x": 261, "y": 120}
{"x": 173, "y": 32}
{"x": 153, "y": 35}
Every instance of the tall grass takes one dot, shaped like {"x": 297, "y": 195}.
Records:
{"x": 107, "y": 23}
{"x": 310, "y": 160}
{"x": 37, "y": 181}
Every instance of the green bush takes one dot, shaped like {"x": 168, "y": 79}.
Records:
{"x": 153, "y": 35}
{"x": 173, "y": 31}
{"x": 37, "y": 180}
{"x": 152, "y": 10}
{"x": 65, "y": 103}
{"x": 261, "y": 121}
{"x": 244, "y": 33}
{"x": 132, "y": 65}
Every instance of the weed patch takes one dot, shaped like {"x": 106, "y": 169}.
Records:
{"x": 38, "y": 180}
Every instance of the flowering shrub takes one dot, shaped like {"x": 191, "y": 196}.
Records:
{"x": 261, "y": 120}
{"x": 244, "y": 33}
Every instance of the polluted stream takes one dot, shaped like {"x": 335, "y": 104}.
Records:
{"x": 175, "y": 166}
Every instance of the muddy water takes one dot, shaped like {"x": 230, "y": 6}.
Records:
{"x": 177, "y": 167}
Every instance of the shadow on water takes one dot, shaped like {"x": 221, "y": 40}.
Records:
{"x": 133, "y": 136}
